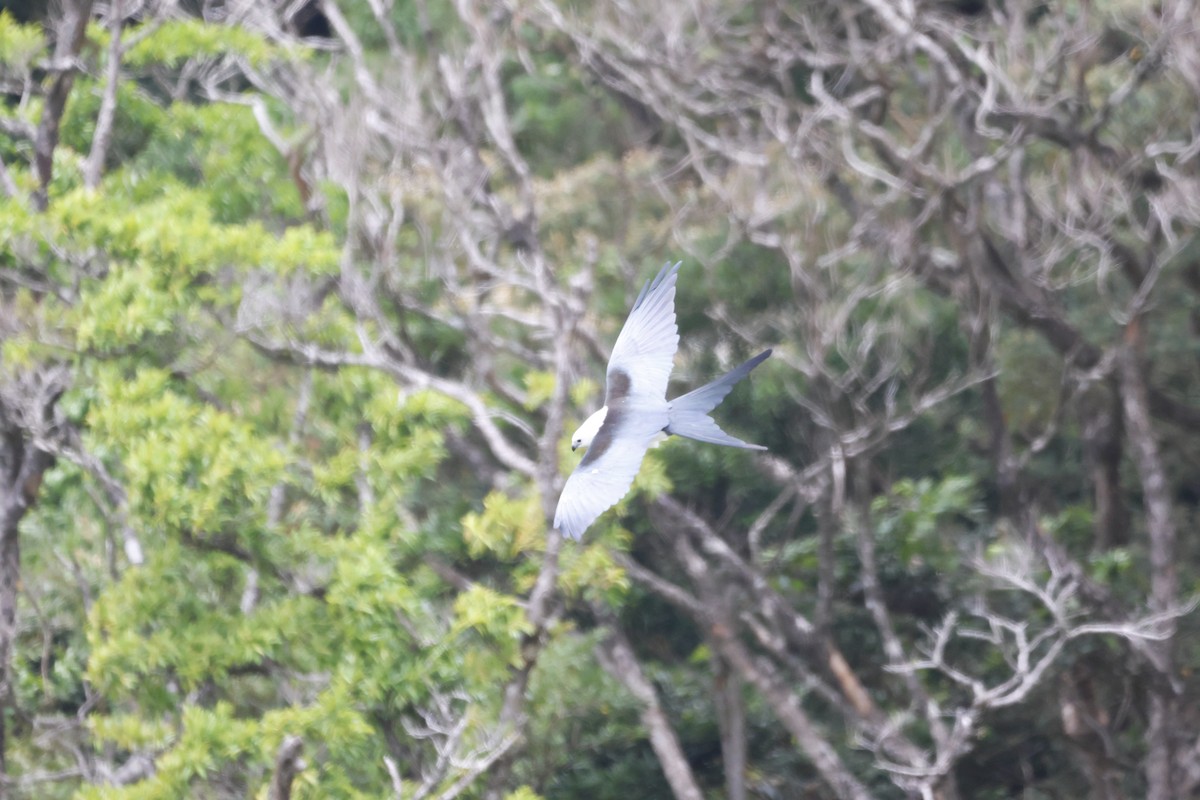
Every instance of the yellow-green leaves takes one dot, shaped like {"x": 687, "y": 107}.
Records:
{"x": 19, "y": 44}
{"x": 167, "y": 259}
{"x": 188, "y": 467}
{"x": 539, "y": 385}
{"x": 507, "y": 527}
{"x": 584, "y": 391}
{"x": 524, "y": 793}
{"x": 131, "y": 732}
{"x": 208, "y": 738}
{"x": 500, "y": 621}
{"x": 589, "y": 571}
{"x": 178, "y": 40}
{"x": 131, "y": 305}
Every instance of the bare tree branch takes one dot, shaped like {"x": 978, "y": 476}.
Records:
{"x": 288, "y": 764}
{"x": 71, "y": 29}
{"x": 617, "y": 657}
{"x": 93, "y": 166}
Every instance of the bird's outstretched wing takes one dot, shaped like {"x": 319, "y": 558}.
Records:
{"x": 645, "y": 350}
{"x": 607, "y": 470}
{"x": 638, "y": 372}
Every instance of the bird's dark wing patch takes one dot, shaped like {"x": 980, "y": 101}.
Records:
{"x": 618, "y": 388}
{"x": 605, "y": 436}
{"x": 614, "y": 398}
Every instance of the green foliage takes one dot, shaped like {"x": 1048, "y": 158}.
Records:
{"x": 220, "y": 147}
{"x": 19, "y": 44}
{"x": 189, "y": 468}
{"x": 539, "y": 385}
{"x": 176, "y": 41}
{"x": 136, "y": 120}
{"x": 321, "y": 558}
{"x": 585, "y": 716}
{"x": 592, "y": 573}
{"x": 418, "y": 24}
{"x": 524, "y": 793}
{"x": 560, "y": 118}
{"x": 916, "y": 512}
{"x": 507, "y": 526}
{"x": 496, "y": 621}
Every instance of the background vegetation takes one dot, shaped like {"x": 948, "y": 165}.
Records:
{"x": 300, "y": 301}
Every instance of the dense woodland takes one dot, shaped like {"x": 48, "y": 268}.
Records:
{"x": 300, "y": 302}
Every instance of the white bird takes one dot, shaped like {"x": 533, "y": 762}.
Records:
{"x": 636, "y": 409}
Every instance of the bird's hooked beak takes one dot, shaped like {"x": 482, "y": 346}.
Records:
{"x": 574, "y": 446}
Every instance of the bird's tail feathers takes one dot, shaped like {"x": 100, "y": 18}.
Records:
{"x": 710, "y": 395}
{"x": 689, "y": 413}
{"x": 702, "y": 428}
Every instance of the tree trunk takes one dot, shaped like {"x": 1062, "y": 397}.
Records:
{"x": 617, "y": 657}
{"x": 70, "y": 39}
{"x": 22, "y": 469}
{"x": 731, "y": 716}
{"x": 1164, "y": 581}
{"x": 10, "y": 575}
{"x": 288, "y": 764}
{"x": 1102, "y": 434}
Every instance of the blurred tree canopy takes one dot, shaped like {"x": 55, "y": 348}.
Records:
{"x": 299, "y": 302}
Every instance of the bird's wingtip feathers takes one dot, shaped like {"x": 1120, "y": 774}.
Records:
{"x": 668, "y": 270}
{"x": 565, "y": 527}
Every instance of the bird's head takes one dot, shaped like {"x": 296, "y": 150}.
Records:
{"x": 588, "y": 430}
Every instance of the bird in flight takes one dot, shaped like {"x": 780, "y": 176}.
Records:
{"x": 636, "y": 409}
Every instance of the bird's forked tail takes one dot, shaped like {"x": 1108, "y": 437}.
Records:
{"x": 689, "y": 414}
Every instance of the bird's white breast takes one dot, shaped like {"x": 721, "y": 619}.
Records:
{"x": 590, "y": 427}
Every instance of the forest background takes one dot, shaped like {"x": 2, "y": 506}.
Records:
{"x": 300, "y": 301}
